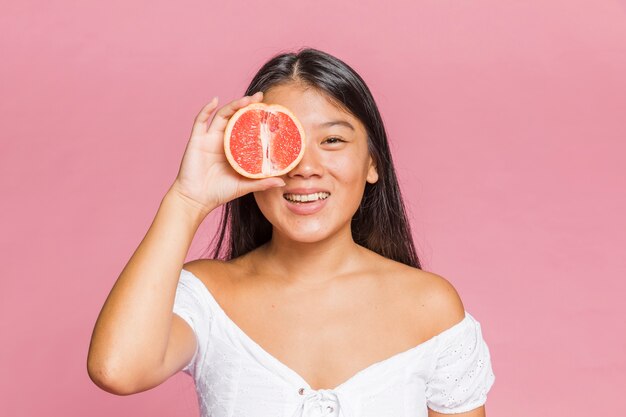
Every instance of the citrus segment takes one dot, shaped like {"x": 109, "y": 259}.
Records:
{"x": 245, "y": 142}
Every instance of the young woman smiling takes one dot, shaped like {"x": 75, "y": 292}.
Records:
{"x": 314, "y": 302}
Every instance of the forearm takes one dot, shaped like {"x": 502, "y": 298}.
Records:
{"x": 132, "y": 330}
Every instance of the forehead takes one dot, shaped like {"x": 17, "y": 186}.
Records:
{"x": 314, "y": 109}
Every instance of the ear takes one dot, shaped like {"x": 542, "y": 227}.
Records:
{"x": 372, "y": 172}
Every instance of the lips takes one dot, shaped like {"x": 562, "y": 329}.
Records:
{"x": 305, "y": 198}
{"x": 297, "y": 200}
{"x": 306, "y": 190}
{"x": 305, "y": 195}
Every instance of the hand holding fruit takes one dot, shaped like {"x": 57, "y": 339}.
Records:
{"x": 205, "y": 178}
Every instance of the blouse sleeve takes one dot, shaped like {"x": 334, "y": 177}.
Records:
{"x": 463, "y": 374}
{"x": 191, "y": 306}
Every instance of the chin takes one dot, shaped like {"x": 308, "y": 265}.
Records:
{"x": 302, "y": 233}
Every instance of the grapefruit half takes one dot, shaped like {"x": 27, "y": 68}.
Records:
{"x": 263, "y": 140}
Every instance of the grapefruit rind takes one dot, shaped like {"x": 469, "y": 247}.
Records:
{"x": 271, "y": 108}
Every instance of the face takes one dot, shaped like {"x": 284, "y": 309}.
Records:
{"x": 336, "y": 163}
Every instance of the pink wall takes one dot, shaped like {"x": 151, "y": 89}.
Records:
{"x": 508, "y": 126}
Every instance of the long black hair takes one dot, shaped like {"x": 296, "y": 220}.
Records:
{"x": 380, "y": 223}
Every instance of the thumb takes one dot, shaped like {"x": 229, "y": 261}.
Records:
{"x": 262, "y": 184}
{"x": 268, "y": 183}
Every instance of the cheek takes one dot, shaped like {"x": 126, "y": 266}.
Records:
{"x": 264, "y": 201}
{"x": 350, "y": 178}
{"x": 347, "y": 168}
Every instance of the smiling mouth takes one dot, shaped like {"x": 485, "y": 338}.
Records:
{"x": 305, "y": 198}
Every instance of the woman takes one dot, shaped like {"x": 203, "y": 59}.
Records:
{"x": 316, "y": 308}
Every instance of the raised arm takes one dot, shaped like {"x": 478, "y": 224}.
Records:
{"x": 137, "y": 342}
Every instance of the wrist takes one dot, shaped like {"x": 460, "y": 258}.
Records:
{"x": 192, "y": 209}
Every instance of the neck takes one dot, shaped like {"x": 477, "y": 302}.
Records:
{"x": 312, "y": 264}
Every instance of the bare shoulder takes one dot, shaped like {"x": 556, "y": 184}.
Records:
{"x": 202, "y": 265}
{"x": 443, "y": 300}
{"x": 431, "y": 297}
{"x": 212, "y": 272}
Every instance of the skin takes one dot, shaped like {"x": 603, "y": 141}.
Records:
{"x": 315, "y": 300}
{"x": 336, "y": 159}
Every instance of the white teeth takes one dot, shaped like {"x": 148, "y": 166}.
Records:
{"x": 303, "y": 198}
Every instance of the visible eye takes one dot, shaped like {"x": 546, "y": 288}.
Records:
{"x": 334, "y": 140}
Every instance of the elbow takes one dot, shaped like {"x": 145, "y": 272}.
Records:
{"x": 106, "y": 378}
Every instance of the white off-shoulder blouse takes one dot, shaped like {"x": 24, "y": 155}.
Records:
{"x": 235, "y": 377}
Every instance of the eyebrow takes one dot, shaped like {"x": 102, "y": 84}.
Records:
{"x": 337, "y": 122}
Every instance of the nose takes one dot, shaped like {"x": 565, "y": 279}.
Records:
{"x": 310, "y": 164}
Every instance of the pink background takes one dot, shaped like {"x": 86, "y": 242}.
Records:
{"x": 508, "y": 125}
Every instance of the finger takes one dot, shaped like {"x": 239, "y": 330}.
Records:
{"x": 219, "y": 122}
{"x": 258, "y": 96}
{"x": 252, "y": 185}
{"x": 200, "y": 123}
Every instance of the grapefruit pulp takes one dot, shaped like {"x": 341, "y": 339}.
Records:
{"x": 263, "y": 140}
